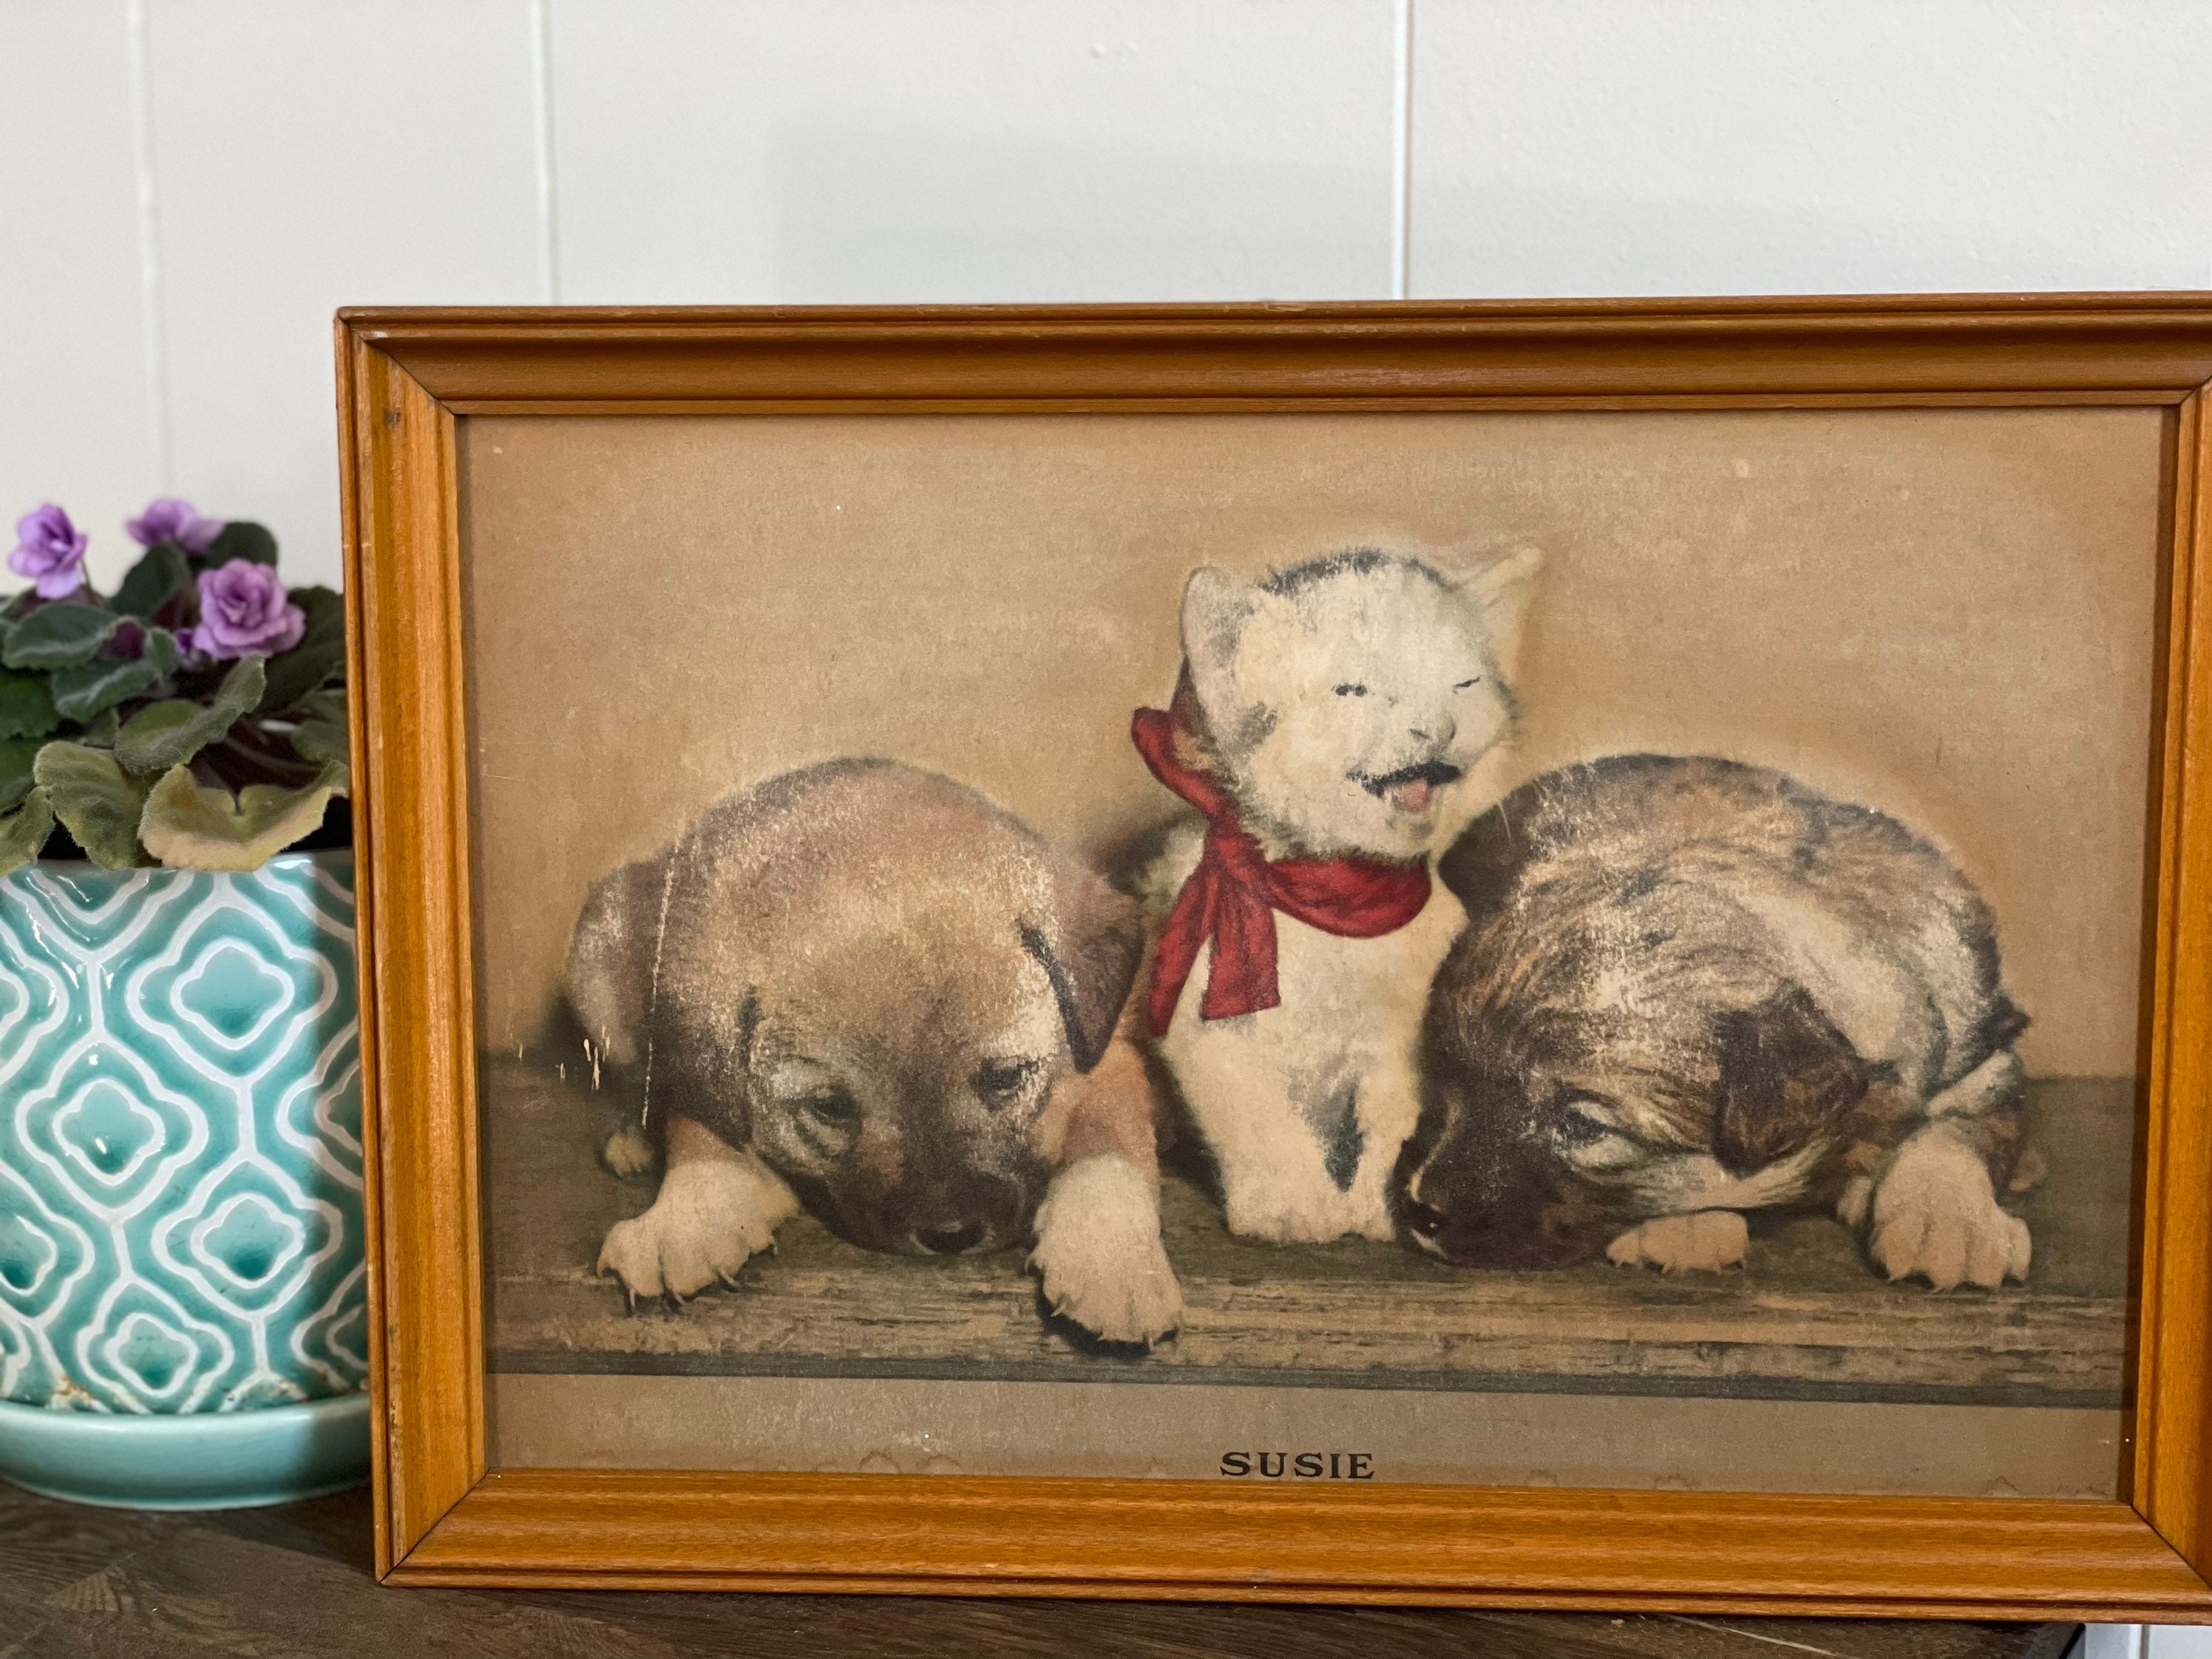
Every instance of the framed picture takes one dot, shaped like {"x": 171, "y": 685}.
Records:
{"x": 1552, "y": 955}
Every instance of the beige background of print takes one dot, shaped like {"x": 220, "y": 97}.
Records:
{"x": 1947, "y": 614}
{"x": 1133, "y": 1429}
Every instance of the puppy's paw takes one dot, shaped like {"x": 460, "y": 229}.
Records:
{"x": 1098, "y": 1255}
{"x": 711, "y": 1217}
{"x": 627, "y": 1153}
{"x": 1935, "y": 1215}
{"x": 1704, "y": 1241}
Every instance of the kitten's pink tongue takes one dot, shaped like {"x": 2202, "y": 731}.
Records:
{"x": 1410, "y": 797}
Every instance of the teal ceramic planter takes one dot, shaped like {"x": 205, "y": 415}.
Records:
{"x": 180, "y": 1225}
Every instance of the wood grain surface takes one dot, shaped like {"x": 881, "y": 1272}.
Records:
{"x": 2041, "y": 349}
{"x": 2173, "y": 1441}
{"x": 1782, "y": 1554}
{"x": 1805, "y": 1319}
{"x": 85, "y": 1584}
{"x": 410, "y": 850}
{"x": 404, "y": 377}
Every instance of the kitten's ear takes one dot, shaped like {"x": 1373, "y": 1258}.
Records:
{"x": 1215, "y": 606}
{"x": 1500, "y": 593}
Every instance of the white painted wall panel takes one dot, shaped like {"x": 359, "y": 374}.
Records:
{"x": 76, "y": 406}
{"x": 1596, "y": 147}
{"x": 2179, "y": 1642}
{"x": 804, "y": 150}
{"x": 311, "y": 156}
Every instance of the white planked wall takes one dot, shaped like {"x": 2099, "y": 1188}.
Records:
{"x": 188, "y": 188}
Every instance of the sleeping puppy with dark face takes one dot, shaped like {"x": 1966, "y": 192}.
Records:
{"x": 866, "y": 989}
{"x": 1692, "y": 989}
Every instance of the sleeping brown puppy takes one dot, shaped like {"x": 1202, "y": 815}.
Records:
{"x": 865, "y": 988}
{"x": 1692, "y": 989}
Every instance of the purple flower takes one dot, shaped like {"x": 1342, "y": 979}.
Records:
{"x": 170, "y": 519}
{"x": 244, "y": 612}
{"x": 49, "y": 550}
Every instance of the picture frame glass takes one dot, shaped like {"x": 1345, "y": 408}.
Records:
{"x": 1679, "y": 1088}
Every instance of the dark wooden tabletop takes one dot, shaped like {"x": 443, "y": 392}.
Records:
{"x": 86, "y": 1583}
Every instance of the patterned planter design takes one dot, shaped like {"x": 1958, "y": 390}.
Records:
{"x": 180, "y": 1224}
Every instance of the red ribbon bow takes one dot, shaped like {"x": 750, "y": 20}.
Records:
{"x": 1231, "y": 897}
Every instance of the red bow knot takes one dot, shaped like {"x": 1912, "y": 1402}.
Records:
{"x": 1232, "y": 897}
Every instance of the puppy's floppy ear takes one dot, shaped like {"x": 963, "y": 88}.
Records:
{"x": 1787, "y": 1076}
{"x": 610, "y": 968}
{"x": 701, "y": 1063}
{"x": 1216, "y": 608}
{"x": 1089, "y": 948}
{"x": 1499, "y": 592}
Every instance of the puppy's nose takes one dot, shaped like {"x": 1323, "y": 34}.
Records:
{"x": 1441, "y": 728}
{"x": 1421, "y": 1219}
{"x": 952, "y": 1238}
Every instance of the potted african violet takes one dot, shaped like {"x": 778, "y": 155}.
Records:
{"x": 182, "y": 1318}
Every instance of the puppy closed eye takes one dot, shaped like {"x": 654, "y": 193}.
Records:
{"x": 1352, "y": 689}
{"x": 1581, "y": 1129}
{"x": 832, "y": 1108}
{"x": 1466, "y": 685}
{"x": 1002, "y": 1082}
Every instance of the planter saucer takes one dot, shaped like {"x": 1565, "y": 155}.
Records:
{"x": 187, "y": 1461}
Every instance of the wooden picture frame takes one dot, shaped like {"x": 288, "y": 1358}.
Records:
{"x": 406, "y": 377}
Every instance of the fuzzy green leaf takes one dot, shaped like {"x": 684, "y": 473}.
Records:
{"x": 191, "y": 827}
{"x": 26, "y": 708}
{"x": 81, "y": 693}
{"x": 57, "y": 636}
{"x": 97, "y": 801}
{"x": 241, "y": 539}
{"x": 99, "y": 731}
{"x": 24, "y": 831}
{"x": 166, "y": 734}
{"x": 153, "y": 581}
{"x": 320, "y": 742}
{"x": 17, "y": 757}
{"x": 160, "y": 650}
{"x": 293, "y": 674}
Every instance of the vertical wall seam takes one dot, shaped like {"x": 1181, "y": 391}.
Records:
{"x": 549, "y": 222}
{"x": 152, "y": 313}
{"x": 1401, "y": 162}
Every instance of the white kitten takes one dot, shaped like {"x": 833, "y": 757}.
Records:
{"x": 1332, "y": 723}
